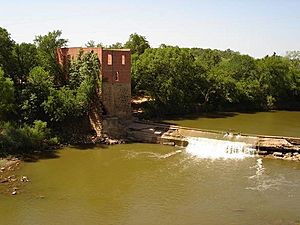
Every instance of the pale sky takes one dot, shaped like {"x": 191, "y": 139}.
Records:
{"x": 254, "y": 27}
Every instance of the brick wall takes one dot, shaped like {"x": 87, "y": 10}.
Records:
{"x": 116, "y": 83}
{"x": 116, "y": 78}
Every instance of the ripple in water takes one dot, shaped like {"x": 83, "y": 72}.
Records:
{"x": 152, "y": 154}
{"x": 263, "y": 182}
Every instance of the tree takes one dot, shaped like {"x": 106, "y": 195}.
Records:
{"x": 6, "y": 52}
{"x": 47, "y": 55}
{"x": 90, "y": 44}
{"x": 293, "y": 55}
{"x": 38, "y": 88}
{"x": 137, "y": 43}
{"x": 275, "y": 78}
{"x": 116, "y": 45}
{"x": 25, "y": 60}
{"x": 74, "y": 100}
{"x": 7, "y": 97}
{"x": 169, "y": 76}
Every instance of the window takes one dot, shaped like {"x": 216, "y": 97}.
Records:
{"x": 123, "y": 59}
{"x": 109, "y": 59}
{"x": 117, "y": 76}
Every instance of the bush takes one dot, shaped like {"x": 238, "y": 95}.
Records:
{"x": 25, "y": 139}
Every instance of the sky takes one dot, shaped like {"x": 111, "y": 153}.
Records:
{"x": 254, "y": 27}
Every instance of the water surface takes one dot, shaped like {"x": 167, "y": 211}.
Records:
{"x": 144, "y": 184}
{"x": 282, "y": 123}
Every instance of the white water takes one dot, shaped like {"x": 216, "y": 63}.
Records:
{"x": 215, "y": 149}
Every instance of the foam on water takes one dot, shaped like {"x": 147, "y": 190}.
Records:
{"x": 214, "y": 149}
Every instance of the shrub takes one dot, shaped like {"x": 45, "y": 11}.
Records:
{"x": 25, "y": 139}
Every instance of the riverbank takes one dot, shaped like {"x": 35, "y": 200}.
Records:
{"x": 10, "y": 182}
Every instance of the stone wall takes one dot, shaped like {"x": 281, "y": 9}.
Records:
{"x": 116, "y": 99}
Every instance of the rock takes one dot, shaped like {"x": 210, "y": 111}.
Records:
{"x": 278, "y": 154}
{"x": 275, "y": 144}
{"x": 11, "y": 177}
{"x": 172, "y": 143}
{"x": 260, "y": 152}
{"x": 2, "y": 169}
{"x": 14, "y": 193}
{"x": 112, "y": 142}
{"x": 5, "y": 180}
{"x": 24, "y": 179}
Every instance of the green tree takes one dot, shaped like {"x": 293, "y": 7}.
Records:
{"x": 25, "y": 60}
{"x": 6, "y": 52}
{"x": 47, "y": 54}
{"x": 75, "y": 99}
{"x": 38, "y": 88}
{"x": 293, "y": 55}
{"x": 117, "y": 45}
{"x": 90, "y": 44}
{"x": 169, "y": 76}
{"x": 7, "y": 96}
{"x": 137, "y": 43}
{"x": 275, "y": 78}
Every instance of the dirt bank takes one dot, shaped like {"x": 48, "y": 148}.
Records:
{"x": 10, "y": 182}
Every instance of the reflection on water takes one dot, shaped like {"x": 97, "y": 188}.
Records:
{"x": 144, "y": 184}
{"x": 282, "y": 123}
{"x": 263, "y": 182}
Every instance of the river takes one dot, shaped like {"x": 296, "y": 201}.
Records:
{"x": 282, "y": 123}
{"x": 146, "y": 184}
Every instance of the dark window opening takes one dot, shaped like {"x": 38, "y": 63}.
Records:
{"x": 117, "y": 76}
{"x": 109, "y": 59}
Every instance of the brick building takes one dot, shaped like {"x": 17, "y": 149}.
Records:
{"x": 116, "y": 78}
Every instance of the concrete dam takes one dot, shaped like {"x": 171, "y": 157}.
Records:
{"x": 215, "y": 144}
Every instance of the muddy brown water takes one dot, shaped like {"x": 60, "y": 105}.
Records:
{"x": 278, "y": 123}
{"x": 146, "y": 184}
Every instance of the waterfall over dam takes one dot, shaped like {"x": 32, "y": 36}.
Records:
{"x": 215, "y": 144}
{"x": 215, "y": 149}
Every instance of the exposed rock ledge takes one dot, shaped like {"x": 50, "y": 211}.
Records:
{"x": 268, "y": 146}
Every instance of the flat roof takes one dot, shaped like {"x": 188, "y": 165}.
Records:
{"x": 118, "y": 49}
{"x": 110, "y": 49}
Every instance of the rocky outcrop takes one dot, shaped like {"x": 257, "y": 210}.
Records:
{"x": 276, "y": 144}
{"x": 95, "y": 117}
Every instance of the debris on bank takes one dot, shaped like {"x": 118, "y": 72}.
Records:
{"x": 10, "y": 182}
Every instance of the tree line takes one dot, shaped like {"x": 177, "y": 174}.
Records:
{"x": 188, "y": 80}
{"x": 39, "y": 98}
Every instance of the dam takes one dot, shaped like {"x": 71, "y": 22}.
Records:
{"x": 215, "y": 143}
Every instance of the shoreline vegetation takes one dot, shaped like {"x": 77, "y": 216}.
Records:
{"x": 41, "y": 101}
